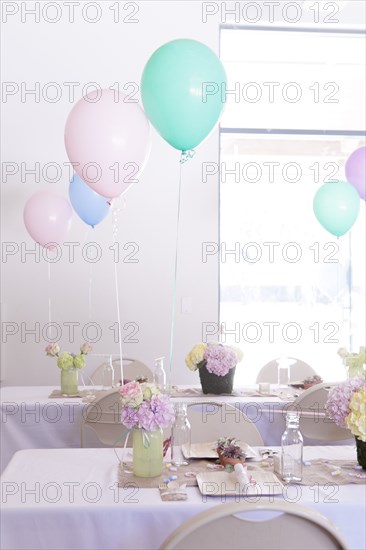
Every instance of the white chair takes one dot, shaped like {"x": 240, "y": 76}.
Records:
{"x": 132, "y": 368}
{"x": 256, "y": 526}
{"x": 103, "y": 416}
{"x": 299, "y": 370}
{"x": 314, "y": 420}
{"x": 211, "y": 420}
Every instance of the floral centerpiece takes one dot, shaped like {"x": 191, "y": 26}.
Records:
{"x": 146, "y": 411}
{"x": 69, "y": 363}
{"x": 354, "y": 361}
{"x": 311, "y": 381}
{"x": 346, "y": 405}
{"x": 229, "y": 451}
{"x": 216, "y": 365}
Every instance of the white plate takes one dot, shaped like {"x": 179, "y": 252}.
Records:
{"x": 223, "y": 483}
{"x": 208, "y": 450}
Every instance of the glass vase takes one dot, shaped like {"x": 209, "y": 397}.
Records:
{"x": 69, "y": 381}
{"x": 147, "y": 452}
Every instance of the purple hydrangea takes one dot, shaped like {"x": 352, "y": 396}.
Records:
{"x": 219, "y": 359}
{"x": 337, "y": 405}
{"x": 129, "y": 417}
{"x": 151, "y": 415}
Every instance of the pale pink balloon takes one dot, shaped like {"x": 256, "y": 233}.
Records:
{"x": 108, "y": 139}
{"x": 47, "y": 218}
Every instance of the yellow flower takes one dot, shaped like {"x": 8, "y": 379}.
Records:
{"x": 356, "y": 420}
{"x": 195, "y": 356}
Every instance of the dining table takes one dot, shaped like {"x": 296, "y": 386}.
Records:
{"x": 33, "y": 418}
{"x": 72, "y": 499}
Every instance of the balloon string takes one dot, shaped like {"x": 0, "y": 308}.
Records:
{"x": 114, "y": 233}
{"x": 174, "y": 297}
{"x": 49, "y": 296}
{"x": 350, "y": 291}
{"x": 90, "y": 290}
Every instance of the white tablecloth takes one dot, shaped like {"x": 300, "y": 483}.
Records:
{"x": 30, "y": 420}
{"x": 68, "y": 499}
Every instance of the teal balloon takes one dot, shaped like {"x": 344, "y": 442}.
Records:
{"x": 336, "y": 206}
{"x": 181, "y": 90}
{"x": 90, "y": 207}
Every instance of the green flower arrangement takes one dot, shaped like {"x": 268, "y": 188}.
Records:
{"x": 66, "y": 360}
{"x": 354, "y": 361}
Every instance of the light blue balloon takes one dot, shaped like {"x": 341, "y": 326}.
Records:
{"x": 336, "y": 205}
{"x": 89, "y": 206}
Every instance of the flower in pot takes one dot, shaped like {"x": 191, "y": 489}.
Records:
{"x": 346, "y": 405}
{"x": 354, "y": 362}
{"x": 146, "y": 411}
{"x": 216, "y": 364}
{"x": 69, "y": 364}
{"x": 230, "y": 452}
{"x": 312, "y": 381}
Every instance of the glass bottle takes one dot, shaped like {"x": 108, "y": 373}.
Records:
{"x": 181, "y": 436}
{"x": 283, "y": 372}
{"x": 108, "y": 375}
{"x": 159, "y": 374}
{"x": 291, "y": 449}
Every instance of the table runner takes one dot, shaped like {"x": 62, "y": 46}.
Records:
{"x": 197, "y": 392}
{"x": 92, "y": 394}
{"x": 316, "y": 472}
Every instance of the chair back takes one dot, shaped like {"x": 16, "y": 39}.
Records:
{"x": 256, "y": 526}
{"x": 211, "y": 420}
{"x": 103, "y": 416}
{"x": 299, "y": 370}
{"x": 314, "y": 420}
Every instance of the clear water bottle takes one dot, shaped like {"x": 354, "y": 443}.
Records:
{"x": 291, "y": 449}
{"x": 283, "y": 372}
{"x": 108, "y": 375}
{"x": 159, "y": 374}
{"x": 181, "y": 436}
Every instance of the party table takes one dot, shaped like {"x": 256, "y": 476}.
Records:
{"x": 30, "y": 419}
{"x": 69, "y": 499}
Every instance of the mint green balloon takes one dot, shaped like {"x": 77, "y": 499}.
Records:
{"x": 336, "y": 206}
{"x": 181, "y": 89}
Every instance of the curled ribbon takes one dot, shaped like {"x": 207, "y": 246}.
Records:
{"x": 186, "y": 155}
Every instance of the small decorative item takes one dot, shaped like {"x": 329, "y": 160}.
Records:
{"x": 69, "y": 363}
{"x": 312, "y": 381}
{"x": 216, "y": 365}
{"x": 355, "y": 363}
{"x": 346, "y": 405}
{"x": 146, "y": 411}
{"x": 229, "y": 451}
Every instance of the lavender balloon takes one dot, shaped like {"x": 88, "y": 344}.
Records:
{"x": 356, "y": 171}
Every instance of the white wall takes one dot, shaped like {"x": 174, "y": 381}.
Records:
{"x": 105, "y": 53}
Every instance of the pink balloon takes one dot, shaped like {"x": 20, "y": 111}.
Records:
{"x": 109, "y": 140}
{"x": 356, "y": 171}
{"x": 47, "y": 218}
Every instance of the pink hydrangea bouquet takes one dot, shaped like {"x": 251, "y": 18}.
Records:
{"x": 144, "y": 406}
{"x": 346, "y": 405}
{"x": 217, "y": 358}
{"x": 68, "y": 360}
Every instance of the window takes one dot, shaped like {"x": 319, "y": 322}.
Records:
{"x": 295, "y": 113}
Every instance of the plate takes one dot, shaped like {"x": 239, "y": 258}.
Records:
{"x": 222, "y": 483}
{"x": 208, "y": 450}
